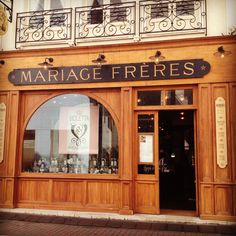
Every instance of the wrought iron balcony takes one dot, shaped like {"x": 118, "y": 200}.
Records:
{"x": 172, "y": 16}
{"x": 43, "y": 26}
{"x": 123, "y": 20}
{"x": 105, "y": 21}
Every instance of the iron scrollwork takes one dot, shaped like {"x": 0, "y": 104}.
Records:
{"x": 172, "y": 15}
{"x": 105, "y": 21}
{"x": 44, "y": 26}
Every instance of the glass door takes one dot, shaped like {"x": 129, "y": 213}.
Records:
{"x": 147, "y": 174}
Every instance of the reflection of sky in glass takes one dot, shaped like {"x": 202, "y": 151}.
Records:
{"x": 51, "y": 109}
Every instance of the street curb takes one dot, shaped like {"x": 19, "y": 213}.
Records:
{"x": 126, "y": 224}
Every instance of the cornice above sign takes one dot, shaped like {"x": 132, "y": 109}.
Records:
{"x": 167, "y": 70}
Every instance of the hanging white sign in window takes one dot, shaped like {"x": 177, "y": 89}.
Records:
{"x": 78, "y": 130}
{"x": 146, "y": 148}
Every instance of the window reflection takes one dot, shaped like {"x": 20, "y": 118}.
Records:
{"x": 149, "y": 98}
{"x": 71, "y": 133}
{"x": 179, "y": 97}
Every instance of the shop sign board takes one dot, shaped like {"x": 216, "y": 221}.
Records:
{"x": 2, "y": 129}
{"x": 166, "y": 70}
{"x": 221, "y": 136}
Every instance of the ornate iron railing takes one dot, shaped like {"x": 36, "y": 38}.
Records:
{"x": 43, "y": 26}
{"x": 167, "y": 16}
{"x": 105, "y": 21}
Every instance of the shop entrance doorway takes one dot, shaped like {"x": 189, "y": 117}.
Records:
{"x": 176, "y": 160}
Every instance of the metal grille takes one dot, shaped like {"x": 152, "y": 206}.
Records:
{"x": 105, "y": 21}
{"x": 43, "y": 26}
{"x": 171, "y": 16}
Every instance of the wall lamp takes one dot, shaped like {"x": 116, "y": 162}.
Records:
{"x": 2, "y": 62}
{"x": 100, "y": 60}
{"x": 47, "y": 62}
{"x": 157, "y": 57}
{"x": 221, "y": 52}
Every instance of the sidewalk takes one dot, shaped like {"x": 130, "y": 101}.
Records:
{"x": 150, "y": 223}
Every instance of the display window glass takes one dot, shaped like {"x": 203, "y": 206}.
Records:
{"x": 71, "y": 133}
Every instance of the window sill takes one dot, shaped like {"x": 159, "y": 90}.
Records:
{"x": 68, "y": 176}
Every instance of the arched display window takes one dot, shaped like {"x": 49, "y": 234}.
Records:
{"x": 71, "y": 133}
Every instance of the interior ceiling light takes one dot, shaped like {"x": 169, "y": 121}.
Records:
{"x": 47, "y": 62}
{"x": 221, "y": 52}
{"x": 157, "y": 57}
{"x": 100, "y": 60}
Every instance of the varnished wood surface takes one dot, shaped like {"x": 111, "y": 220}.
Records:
{"x": 126, "y": 192}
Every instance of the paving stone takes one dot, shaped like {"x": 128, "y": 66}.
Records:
{"x": 129, "y": 224}
{"x": 85, "y": 222}
{"x": 190, "y": 228}
{"x": 159, "y": 226}
{"x": 223, "y": 229}
{"x": 114, "y": 223}
{"x": 207, "y": 228}
{"x": 46, "y": 219}
{"x": 174, "y": 227}
{"x": 144, "y": 225}
{"x": 71, "y": 221}
{"x": 58, "y": 220}
{"x": 100, "y": 222}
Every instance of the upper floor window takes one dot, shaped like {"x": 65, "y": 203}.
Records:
{"x": 117, "y": 12}
{"x": 165, "y": 8}
{"x": 185, "y": 7}
{"x": 112, "y": 12}
{"x": 41, "y": 19}
{"x": 159, "y": 10}
{"x": 96, "y": 13}
{"x": 71, "y": 133}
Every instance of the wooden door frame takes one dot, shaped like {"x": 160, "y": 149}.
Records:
{"x": 148, "y": 182}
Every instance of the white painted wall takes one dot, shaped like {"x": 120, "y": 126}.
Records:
{"x": 221, "y": 16}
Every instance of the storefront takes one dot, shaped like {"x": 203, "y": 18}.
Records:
{"x": 130, "y": 136}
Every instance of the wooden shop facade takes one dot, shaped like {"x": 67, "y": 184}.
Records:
{"x": 128, "y": 136}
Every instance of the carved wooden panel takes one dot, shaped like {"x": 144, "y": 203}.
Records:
{"x": 4, "y": 98}
{"x": 103, "y": 194}
{"x": 205, "y": 160}
{"x": 206, "y": 200}
{"x": 126, "y": 195}
{"x": 9, "y": 190}
{"x": 233, "y": 129}
{"x": 31, "y": 190}
{"x": 221, "y": 174}
{"x": 126, "y": 133}
{"x": 223, "y": 200}
{"x": 68, "y": 191}
{"x": 1, "y": 191}
{"x": 13, "y": 125}
{"x": 146, "y": 197}
{"x": 234, "y": 200}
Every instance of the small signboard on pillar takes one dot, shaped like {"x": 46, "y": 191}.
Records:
{"x": 2, "y": 129}
{"x": 221, "y": 135}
